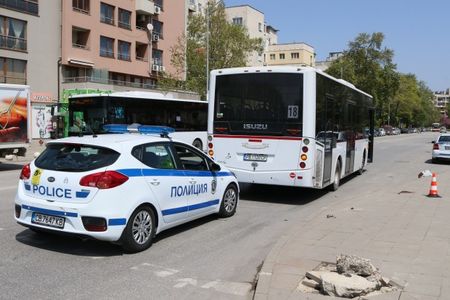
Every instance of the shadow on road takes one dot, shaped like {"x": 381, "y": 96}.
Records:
{"x": 67, "y": 244}
{"x": 439, "y": 162}
{"x": 10, "y": 167}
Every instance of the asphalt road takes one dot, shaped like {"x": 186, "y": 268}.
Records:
{"x": 208, "y": 258}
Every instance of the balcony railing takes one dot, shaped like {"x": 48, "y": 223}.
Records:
{"x": 83, "y": 11}
{"x": 109, "y": 81}
{"x": 142, "y": 58}
{"x": 85, "y": 47}
{"x": 107, "y": 20}
{"x": 13, "y": 43}
{"x": 106, "y": 53}
{"x": 124, "y": 25}
{"x": 14, "y": 80}
{"x": 124, "y": 56}
{"x": 31, "y": 7}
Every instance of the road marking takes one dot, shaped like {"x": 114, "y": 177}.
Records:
{"x": 1, "y": 229}
{"x": 162, "y": 272}
{"x": 184, "y": 282}
{"x": 11, "y": 187}
{"x": 234, "y": 288}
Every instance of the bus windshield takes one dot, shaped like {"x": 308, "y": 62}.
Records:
{"x": 261, "y": 103}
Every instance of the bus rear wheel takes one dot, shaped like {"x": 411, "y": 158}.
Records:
{"x": 198, "y": 144}
{"x": 337, "y": 177}
{"x": 363, "y": 164}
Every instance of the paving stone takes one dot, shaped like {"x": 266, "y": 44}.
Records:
{"x": 285, "y": 281}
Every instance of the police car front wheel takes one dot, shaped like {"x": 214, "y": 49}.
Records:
{"x": 140, "y": 230}
{"x": 229, "y": 202}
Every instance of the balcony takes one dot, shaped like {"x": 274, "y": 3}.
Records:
{"x": 145, "y": 7}
{"x": 80, "y": 38}
{"x": 30, "y": 7}
{"x": 91, "y": 79}
{"x": 13, "y": 43}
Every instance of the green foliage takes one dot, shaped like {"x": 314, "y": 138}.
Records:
{"x": 229, "y": 46}
{"x": 400, "y": 99}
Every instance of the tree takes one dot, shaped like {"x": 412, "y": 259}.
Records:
{"x": 229, "y": 46}
{"x": 369, "y": 66}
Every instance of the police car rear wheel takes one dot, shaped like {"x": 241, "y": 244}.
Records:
{"x": 140, "y": 230}
{"x": 229, "y": 202}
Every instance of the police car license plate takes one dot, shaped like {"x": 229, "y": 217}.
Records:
{"x": 447, "y": 147}
{"x": 255, "y": 157}
{"x": 46, "y": 220}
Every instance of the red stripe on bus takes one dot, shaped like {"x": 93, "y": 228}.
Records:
{"x": 228, "y": 136}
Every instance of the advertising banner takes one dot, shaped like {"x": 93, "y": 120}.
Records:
{"x": 41, "y": 122}
{"x": 13, "y": 115}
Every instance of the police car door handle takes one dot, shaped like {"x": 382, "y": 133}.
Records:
{"x": 192, "y": 181}
{"x": 155, "y": 182}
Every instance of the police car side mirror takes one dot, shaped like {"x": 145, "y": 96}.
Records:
{"x": 215, "y": 167}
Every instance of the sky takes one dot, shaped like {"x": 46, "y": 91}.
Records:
{"x": 417, "y": 30}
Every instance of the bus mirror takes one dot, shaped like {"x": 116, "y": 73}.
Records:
{"x": 215, "y": 167}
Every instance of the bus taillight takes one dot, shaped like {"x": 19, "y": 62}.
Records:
{"x": 305, "y": 149}
{"x": 211, "y": 153}
{"x": 210, "y": 145}
{"x": 302, "y": 165}
{"x": 303, "y": 157}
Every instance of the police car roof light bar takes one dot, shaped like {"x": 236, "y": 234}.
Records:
{"x": 163, "y": 131}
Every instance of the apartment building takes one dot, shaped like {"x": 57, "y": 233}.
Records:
{"x": 30, "y": 41}
{"x": 293, "y": 54}
{"x": 325, "y": 64}
{"x": 119, "y": 45}
{"x": 254, "y": 21}
{"x": 441, "y": 100}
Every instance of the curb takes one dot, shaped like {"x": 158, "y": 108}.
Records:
{"x": 265, "y": 275}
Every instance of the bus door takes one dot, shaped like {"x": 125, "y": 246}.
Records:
{"x": 350, "y": 137}
{"x": 328, "y": 138}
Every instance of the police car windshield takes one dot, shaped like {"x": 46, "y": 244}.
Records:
{"x": 75, "y": 157}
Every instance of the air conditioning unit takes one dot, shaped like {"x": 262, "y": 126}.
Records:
{"x": 155, "y": 37}
{"x": 155, "y": 68}
{"x": 157, "y": 10}
{"x": 162, "y": 68}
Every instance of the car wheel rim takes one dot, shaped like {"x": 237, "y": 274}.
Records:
{"x": 230, "y": 200}
{"x": 142, "y": 227}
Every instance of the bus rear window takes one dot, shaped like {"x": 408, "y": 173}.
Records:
{"x": 261, "y": 103}
{"x": 75, "y": 157}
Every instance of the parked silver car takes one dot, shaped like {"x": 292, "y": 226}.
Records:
{"x": 441, "y": 148}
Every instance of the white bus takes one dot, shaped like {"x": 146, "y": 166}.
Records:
{"x": 88, "y": 113}
{"x": 288, "y": 126}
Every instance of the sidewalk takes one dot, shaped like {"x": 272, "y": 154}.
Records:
{"x": 405, "y": 235}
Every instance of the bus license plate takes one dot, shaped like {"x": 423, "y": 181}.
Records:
{"x": 255, "y": 157}
{"x": 447, "y": 147}
{"x": 46, "y": 220}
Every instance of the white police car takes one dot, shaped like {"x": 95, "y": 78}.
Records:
{"x": 122, "y": 188}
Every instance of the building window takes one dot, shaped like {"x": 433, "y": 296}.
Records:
{"x": 106, "y": 13}
{"x": 13, "y": 71}
{"x": 260, "y": 27}
{"x": 26, "y": 6}
{"x": 141, "y": 51}
{"x": 159, "y": 3}
{"x": 295, "y": 55}
{"x": 124, "y": 51}
{"x": 13, "y": 34}
{"x": 237, "y": 21}
{"x": 81, "y": 6}
{"x": 106, "y": 47}
{"x": 124, "y": 18}
{"x": 157, "y": 57}
{"x": 272, "y": 56}
{"x": 282, "y": 56}
{"x": 158, "y": 29}
{"x": 80, "y": 38}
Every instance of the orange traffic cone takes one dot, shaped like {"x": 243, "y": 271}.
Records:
{"x": 433, "y": 189}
